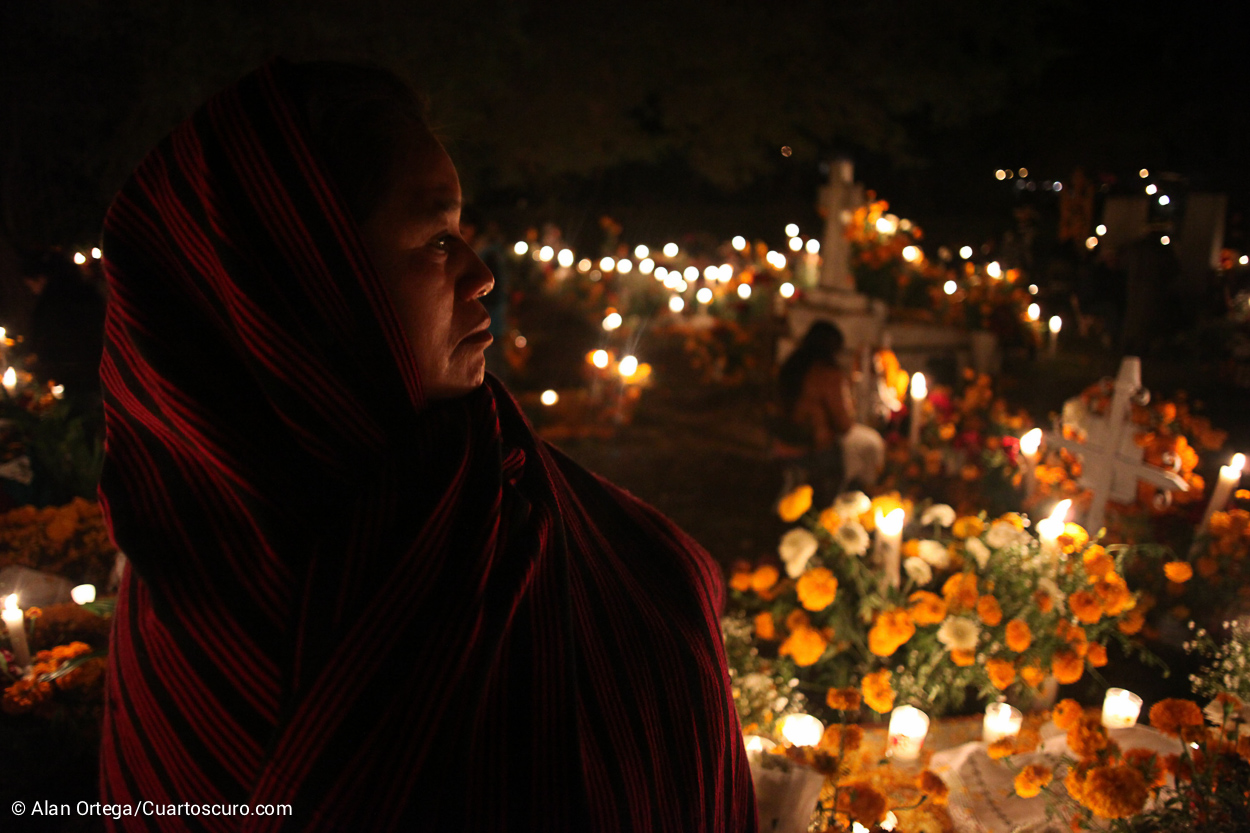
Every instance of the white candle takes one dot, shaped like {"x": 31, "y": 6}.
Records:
{"x": 802, "y": 730}
{"x": 10, "y": 381}
{"x": 1030, "y": 445}
{"x": 1001, "y": 721}
{"x": 1230, "y": 476}
{"x": 1120, "y": 709}
{"x": 908, "y": 727}
{"x": 919, "y": 390}
{"x": 889, "y": 542}
{"x": 1049, "y": 530}
{"x": 15, "y": 621}
{"x": 1056, "y": 324}
{"x": 83, "y": 594}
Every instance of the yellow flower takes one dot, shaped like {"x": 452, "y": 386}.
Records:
{"x": 1002, "y": 673}
{"x": 1030, "y": 780}
{"x": 890, "y": 631}
{"x": 794, "y": 505}
{"x": 1019, "y": 637}
{"x": 1073, "y": 538}
{"x": 830, "y": 520}
{"x": 878, "y": 693}
{"x": 1178, "y": 571}
{"x": 988, "y": 611}
{"x": 817, "y": 589}
{"x": 805, "y": 645}
{"x": 926, "y": 608}
{"x": 968, "y": 526}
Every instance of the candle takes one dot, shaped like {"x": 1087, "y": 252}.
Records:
{"x": 1230, "y": 476}
{"x": 15, "y": 620}
{"x": 10, "y": 381}
{"x": 1056, "y": 324}
{"x": 1120, "y": 709}
{"x": 1001, "y": 721}
{"x": 919, "y": 390}
{"x": 908, "y": 727}
{"x": 888, "y": 544}
{"x": 83, "y": 594}
{"x": 802, "y": 730}
{"x": 757, "y": 745}
{"x": 1030, "y": 444}
{"x": 1049, "y": 530}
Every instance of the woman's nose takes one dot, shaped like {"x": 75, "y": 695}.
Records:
{"x": 476, "y": 280}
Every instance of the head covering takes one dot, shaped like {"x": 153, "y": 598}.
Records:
{"x": 341, "y": 597}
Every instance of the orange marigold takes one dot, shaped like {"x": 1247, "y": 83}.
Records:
{"x": 830, "y": 520}
{"x": 1088, "y": 737}
{"x": 805, "y": 645}
{"x": 1172, "y": 715}
{"x": 843, "y": 699}
{"x": 1178, "y": 571}
{"x": 844, "y": 737}
{"x": 1067, "y": 666}
{"x": 1066, "y": 713}
{"x": 794, "y": 505}
{"x": 817, "y": 588}
{"x": 764, "y": 577}
{"x": 926, "y": 608}
{"x": 1115, "y": 792}
{"x": 741, "y": 580}
{"x": 963, "y": 658}
{"x": 1073, "y": 538}
{"x": 890, "y": 631}
{"x": 968, "y": 526}
{"x": 1149, "y": 764}
{"x": 862, "y": 803}
{"x": 932, "y": 785}
{"x": 1019, "y": 637}
{"x": 1033, "y": 675}
{"x": 1085, "y": 606}
{"x": 878, "y": 693}
{"x": 796, "y": 619}
{"x": 1002, "y": 673}
{"x": 1001, "y": 748}
{"x": 1096, "y": 656}
{"x": 960, "y": 592}
{"x": 1113, "y": 594}
{"x": 1132, "y": 623}
{"x": 1097, "y": 562}
{"x": 1043, "y": 601}
{"x": 765, "y": 627}
{"x": 988, "y": 610}
{"x": 1074, "y": 781}
{"x": 1030, "y": 780}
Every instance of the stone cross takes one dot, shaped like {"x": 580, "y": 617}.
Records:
{"x": 837, "y": 200}
{"x": 1111, "y": 461}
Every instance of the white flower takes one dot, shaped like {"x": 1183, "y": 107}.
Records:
{"x": 938, "y": 513}
{"x": 978, "y": 551}
{"x": 1003, "y": 534}
{"x": 851, "y": 504}
{"x": 1048, "y": 586}
{"x": 852, "y": 538}
{"x": 1075, "y": 414}
{"x": 959, "y": 634}
{"x": 796, "y": 547}
{"x": 918, "y": 571}
{"x": 935, "y": 554}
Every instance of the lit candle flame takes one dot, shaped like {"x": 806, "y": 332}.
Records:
{"x": 1238, "y": 463}
{"x": 802, "y": 730}
{"x": 1031, "y": 441}
{"x": 891, "y": 524}
{"x": 919, "y": 390}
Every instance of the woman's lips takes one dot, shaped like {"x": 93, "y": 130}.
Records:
{"x": 480, "y": 337}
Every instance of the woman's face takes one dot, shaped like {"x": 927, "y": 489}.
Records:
{"x": 434, "y": 279}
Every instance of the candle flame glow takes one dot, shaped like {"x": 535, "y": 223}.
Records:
{"x": 1031, "y": 441}
{"x": 83, "y": 594}
{"x": 802, "y": 730}
{"x": 10, "y": 379}
{"x": 919, "y": 389}
{"x": 1238, "y": 463}
{"x": 891, "y": 524}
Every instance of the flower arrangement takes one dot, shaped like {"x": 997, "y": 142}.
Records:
{"x": 981, "y": 605}
{"x": 69, "y": 540}
{"x": 63, "y": 444}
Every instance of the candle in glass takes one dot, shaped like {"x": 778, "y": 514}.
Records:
{"x": 15, "y": 621}
{"x": 888, "y": 545}
{"x": 1120, "y": 709}
{"x": 1230, "y": 476}
{"x": 908, "y": 727}
{"x": 83, "y": 594}
{"x": 1001, "y": 721}
{"x": 919, "y": 390}
{"x": 802, "y": 729}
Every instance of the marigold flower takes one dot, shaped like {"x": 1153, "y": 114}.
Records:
{"x": 1030, "y": 780}
{"x": 830, "y": 520}
{"x": 890, "y": 631}
{"x": 846, "y": 737}
{"x": 1074, "y": 781}
{"x": 1002, "y": 673}
{"x": 1043, "y": 601}
{"x": 1001, "y": 748}
{"x": 963, "y": 658}
{"x": 1113, "y": 594}
{"x": 988, "y": 610}
{"x": 926, "y": 608}
{"x": 794, "y": 505}
{"x": 1073, "y": 538}
{"x": 1088, "y": 737}
{"x": 862, "y": 803}
{"x": 1066, "y": 713}
{"x": 1097, "y": 562}
{"x": 1085, "y": 606}
{"x": 1172, "y": 715}
{"x": 932, "y": 785}
{"x": 960, "y": 592}
{"x": 1178, "y": 571}
{"x": 765, "y": 627}
{"x": 741, "y": 580}
{"x": 805, "y": 645}
{"x": 878, "y": 693}
{"x": 968, "y": 526}
{"x": 796, "y": 619}
{"x": 1149, "y": 764}
{"x": 1033, "y": 675}
{"x": 1067, "y": 666}
{"x": 764, "y": 577}
{"x": 817, "y": 589}
{"x": 1133, "y": 622}
{"x": 1115, "y": 792}
{"x": 843, "y": 699}
{"x": 1019, "y": 637}
{"x": 1096, "y": 655}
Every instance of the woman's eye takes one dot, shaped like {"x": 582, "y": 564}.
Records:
{"x": 443, "y": 243}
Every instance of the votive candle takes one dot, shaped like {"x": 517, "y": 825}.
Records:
{"x": 888, "y": 545}
{"x": 908, "y": 728}
{"x": 1120, "y": 709}
{"x": 1002, "y": 720}
{"x": 1230, "y": 476}
{"x": 15, "y": 621}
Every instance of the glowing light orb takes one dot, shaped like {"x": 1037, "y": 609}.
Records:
{"x": 676, "y": 304}
{"x": 565, "y": 258}
{"x": 549, "y": 398}
{"x": 744, "y": 291}
{"x": 521, "y": 247}
{"x": 949, "y": 287}
{"x": 600, "y": 358}
{"x": 704, "y": 295}
{"x": 670, "y": 250}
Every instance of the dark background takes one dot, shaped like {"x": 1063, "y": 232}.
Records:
{"x": 668, "y": 116}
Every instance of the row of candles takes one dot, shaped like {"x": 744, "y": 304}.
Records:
{"x": 15, "y": 621}
{"x": 909, "y": 726}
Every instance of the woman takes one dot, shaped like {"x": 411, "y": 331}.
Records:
{"x": 359, "y": 584}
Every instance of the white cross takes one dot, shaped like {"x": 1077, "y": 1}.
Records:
{"x": 1111, "y": 462}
